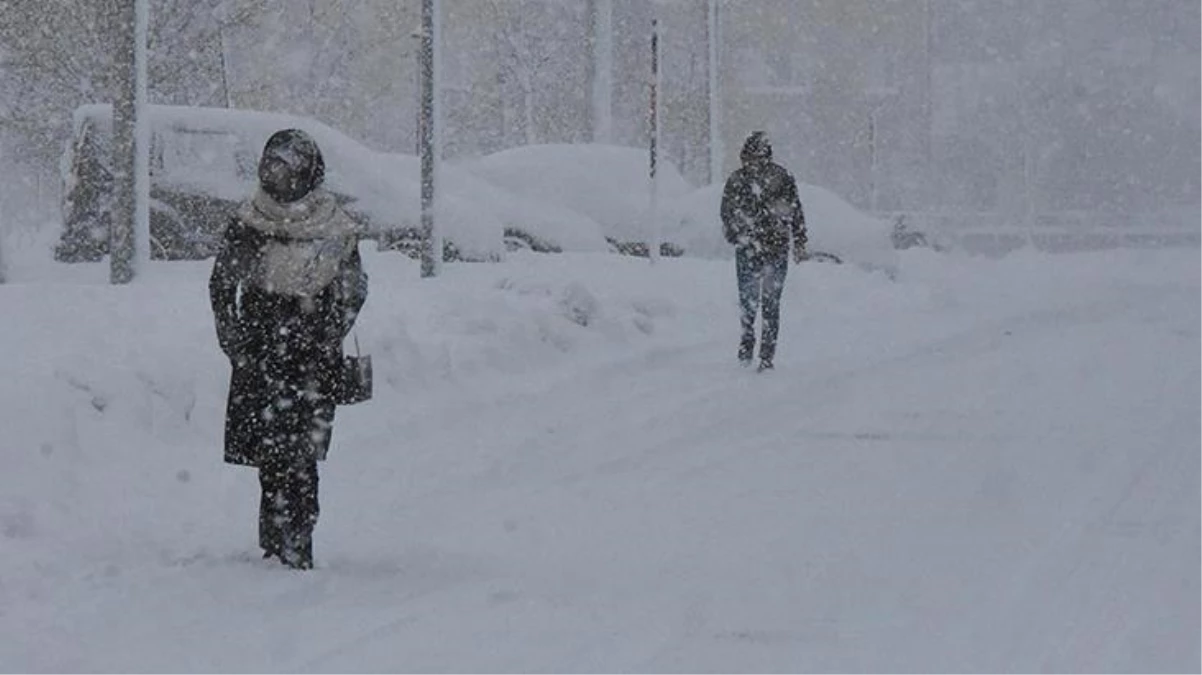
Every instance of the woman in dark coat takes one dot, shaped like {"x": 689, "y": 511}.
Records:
{"x": 285, "y": 290}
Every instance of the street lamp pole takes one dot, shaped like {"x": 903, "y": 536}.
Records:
{"x": 129, "y": 228}
{"x": 872, "y": 159}
{"x": 713, "y": 37}
{"x": 928, "y": 97}
{"x": 653, "y": 244}
{"x": 427, "y": 136}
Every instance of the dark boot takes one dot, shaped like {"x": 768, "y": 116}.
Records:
{"x": 746, "y": 348}
{"x": 271, "y": 513}
{"x": 767, "y": 353}
{"x": 747, "y": 269}
{"x": 774, "y": 282}
{"x": 298, "y": 551}
{"x": 301, "y": 511}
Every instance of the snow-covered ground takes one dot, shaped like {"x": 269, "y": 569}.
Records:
{"x": 981, "y": 465}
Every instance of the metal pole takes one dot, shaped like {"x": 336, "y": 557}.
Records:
{"x": 872, "y": 158}
{"x": 121, "y": 224}
{"x": 425, "y": 140}
{"x": 142, "y": 136}
{"x": 713, "y": 36}
{"x": 3, "y": 231}
{"x": 653, "y": 245}
{"x": 225, "y": 70}
{"x": 4, "y": 208}
{"x": 928, "y": 19}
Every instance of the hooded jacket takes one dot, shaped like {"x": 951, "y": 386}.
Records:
{"x": 760, "y": 207}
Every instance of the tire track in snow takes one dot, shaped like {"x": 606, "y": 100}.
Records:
{"x": 816, "y": 388}
{"x": 621, "y": 408}
{"x": 1122, "y": 524}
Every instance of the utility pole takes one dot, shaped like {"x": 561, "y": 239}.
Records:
{"x": 121, "y": 225}
{"x": 3, "y": 230}
{"x": 928, "y": 96}
{"x": 431, "y": 248}
{"x": 714, "y": 40}
{"x": 129, "y": 227}
{"x": 872, "y": 159}
{"x": 142, "y": 135}
{"x": 225, "y": 69}
{"x": 653, "y": 245}
{"x": 3, "y": 271}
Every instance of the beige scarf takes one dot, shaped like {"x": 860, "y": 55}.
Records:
{"x": 307, "y": 241}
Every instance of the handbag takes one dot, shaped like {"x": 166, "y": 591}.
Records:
{"x": 354, "y": 384}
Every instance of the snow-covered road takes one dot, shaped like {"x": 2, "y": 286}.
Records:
{"x": 981, "y": 466}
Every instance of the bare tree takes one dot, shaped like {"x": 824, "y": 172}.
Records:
{"x": 58, "y": 54}
{"x": 528, "y": 50}
{"x": 347, "y": 62}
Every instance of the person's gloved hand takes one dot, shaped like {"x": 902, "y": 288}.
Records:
{"x": 799, "y": 248}
{"x": 799, "y": 252}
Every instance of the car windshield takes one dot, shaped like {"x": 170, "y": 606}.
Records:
{"x": 199, "y": 156}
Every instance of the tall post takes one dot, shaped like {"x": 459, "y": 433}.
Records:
{"x": 3, "y": 271}
{"x": 142, "y": 135}
{"x": 714, "y": 40}
{"x": 121, "y": 224}
{"x": 430, "y": 248}
{"x": 129, "y": 225}
{"x": 653, "y": 244}
{"x": 928, "y": 20}
{"x": 1028, "y": 156}
{"x": 225, "y": 70}
{"x": 3, "y": 230}
{"x": 872, "y": 159}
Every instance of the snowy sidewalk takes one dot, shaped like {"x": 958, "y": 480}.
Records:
{"x": 981, "y": 466}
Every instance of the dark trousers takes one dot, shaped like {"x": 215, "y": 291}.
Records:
{"x": 288, "y": 510}
{"x": 761, "y": 281}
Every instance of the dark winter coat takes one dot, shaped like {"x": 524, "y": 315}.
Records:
{"x": 761, "y": 210}
{"x": 284, "y": 298}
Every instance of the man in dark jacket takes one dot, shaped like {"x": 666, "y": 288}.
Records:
{"x": 285, "y": 290}
{"x": 760, "y": 213}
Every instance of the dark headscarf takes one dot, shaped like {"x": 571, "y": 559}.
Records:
{"x": 291, "y": 166}
{"x": 756, "y": 148}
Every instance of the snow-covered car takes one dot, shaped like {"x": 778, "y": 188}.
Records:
{"x": 203, "y": 161}
{"x": 602, "y": 193}
{"x": 547, "y": 198}
{"x": 586, "y": 196}
{"x": 836, "y": 230}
